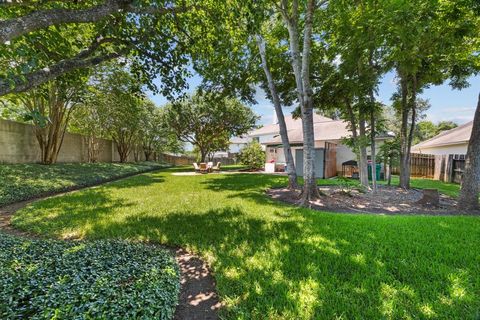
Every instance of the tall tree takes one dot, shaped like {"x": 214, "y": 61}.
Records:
{"x": 300, "y": 60}
{"x": 423, "y": 48}
{"x": 469, "y": 192}
{"x": 208, "y": 121}
{"x": 292, "y": 175}
{"x": 154, "y": 135}
{"x": 89, "y": 120}
{"x": 249, "y": 57}
{"x": 49, "y": 108}
{"x": 122, "y": 104}
{"x": 357, "y": 52}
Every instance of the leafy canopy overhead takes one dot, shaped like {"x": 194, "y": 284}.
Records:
{"x": 45, "y": 39}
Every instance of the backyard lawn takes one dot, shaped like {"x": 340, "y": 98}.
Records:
{"x": 275, "y": 261}
{"x": 25, "y": 181}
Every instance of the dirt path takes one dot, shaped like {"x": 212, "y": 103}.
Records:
{"x": 198, "y": 298}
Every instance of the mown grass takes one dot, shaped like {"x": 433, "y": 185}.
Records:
{"x": 275, "y": 261}
{"x": 25, "y": 181}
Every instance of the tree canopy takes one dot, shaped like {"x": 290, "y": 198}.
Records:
{"x": 209, "y": 121}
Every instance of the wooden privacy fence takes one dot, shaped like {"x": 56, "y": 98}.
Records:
{"x": 447, "y": 168}
{"x": 421, "y": 165}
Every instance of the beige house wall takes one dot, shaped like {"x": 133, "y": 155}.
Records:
{"x": 19, "y": 145}
{"x": 443, "y": 150}
{"x": 344, "y": 153}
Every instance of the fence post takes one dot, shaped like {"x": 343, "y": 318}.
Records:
{"x": 448, "y": 168}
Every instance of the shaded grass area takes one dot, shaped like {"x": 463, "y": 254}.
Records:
{"x": 86, "y": 280}
{"x": 25, "y": 181}
{"x": 275, "y": 261}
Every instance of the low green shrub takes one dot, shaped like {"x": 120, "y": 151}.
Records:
{"x": 252, "y": 155}
{"x": 86, "y": 280}
{"x": 26, "y": 181}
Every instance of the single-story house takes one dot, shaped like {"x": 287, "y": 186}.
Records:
{"x": 235, "y": 146}
{"x": 453, "y": 141}
{"x": 330, "y": 152}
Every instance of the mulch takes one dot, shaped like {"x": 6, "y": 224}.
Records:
{"x": 198, "y": 299}
{"x": 387, "y": 200}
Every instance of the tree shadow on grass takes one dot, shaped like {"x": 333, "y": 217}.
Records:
{"x": 315, "y": 267}
{"x": 297, "y": 263}
{"x": 137, "y": 181}
{"x": 246, "y": 186}
{"x": 58, "y": 215}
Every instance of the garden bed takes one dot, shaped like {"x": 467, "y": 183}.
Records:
{"x": 387, "y": 200}
{"x": 20, "y": 182}
{"x": 46, "y": 279}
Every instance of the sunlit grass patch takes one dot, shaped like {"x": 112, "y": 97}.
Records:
{"x": 276, "y": 261}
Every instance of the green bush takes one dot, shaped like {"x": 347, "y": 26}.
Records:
{"x": 26, "y": 181}
{"x": 86, "y": 280}
{"x": 252, "y": 155}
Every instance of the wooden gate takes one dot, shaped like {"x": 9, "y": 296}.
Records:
{"x": 330, "y": 160}
{"x": 458, "y": 166}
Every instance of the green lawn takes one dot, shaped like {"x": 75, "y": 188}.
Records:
{"x": 275, "y": 261}
{"x": 25, "y": 181}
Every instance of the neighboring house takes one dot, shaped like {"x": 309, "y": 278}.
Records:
{"x": 236, "y": 144}
{"x": 330, "y": 153}
{"x": 453, "y": 141}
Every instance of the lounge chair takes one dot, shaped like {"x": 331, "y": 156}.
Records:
{"x": 196, "y": 167}
{"x": 203, "y": 168}
{"x": 217, "y": 167}
{"x": 210, "y": 166}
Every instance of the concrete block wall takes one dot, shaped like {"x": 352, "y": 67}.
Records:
{"x": 19, "y": 145}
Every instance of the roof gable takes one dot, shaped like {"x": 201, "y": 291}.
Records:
{"x": 292, "y": 124}
{"x": 460, "y": 134}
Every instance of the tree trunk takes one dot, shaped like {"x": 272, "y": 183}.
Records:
{"x": 147, "y": 155}
{"x": 203, "y": 155}
{"x": 136, "y": 154}
{"x": 362, "y": 149}
{"x": 292, "y": 175}
{"x": 310, "y": 190}
{"x": 93, "y": 148}
{"x": 123, "y": 151}
{"x": 388, "y": 170}
{"x": 300, "y": 65}
{"x": 469, "y": 192}
{"x": 404, "y": 151}
{"x": 372, "y": 146}
{"x": 50, "y": 137}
